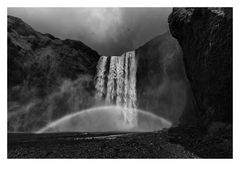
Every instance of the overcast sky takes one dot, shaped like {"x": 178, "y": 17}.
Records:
{"x": 109, "y": 31}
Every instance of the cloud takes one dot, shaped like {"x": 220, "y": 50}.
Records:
{"x": 110, "y": 31}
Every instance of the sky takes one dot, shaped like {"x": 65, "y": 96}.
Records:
{"x": 109, "y": 31}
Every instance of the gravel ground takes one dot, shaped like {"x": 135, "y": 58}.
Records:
{"x": 174, "y": 143}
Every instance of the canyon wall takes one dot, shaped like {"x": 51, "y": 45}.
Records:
{"x": 205, "y": 36}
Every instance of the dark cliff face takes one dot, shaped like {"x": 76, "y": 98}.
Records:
{"x": 162, "y": 86}
{"x": 205, "y": 35}
{"x": 47, "y": 77}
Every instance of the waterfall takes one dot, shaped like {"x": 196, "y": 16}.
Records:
{"x": 116, "y": 83}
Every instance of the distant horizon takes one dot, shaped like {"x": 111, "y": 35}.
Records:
{"x": 124, "y": 30}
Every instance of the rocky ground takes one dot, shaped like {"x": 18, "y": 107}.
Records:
{"x": 174, "y": 143}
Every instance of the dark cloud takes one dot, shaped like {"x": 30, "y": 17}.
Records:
{"x": 110, "y": 31}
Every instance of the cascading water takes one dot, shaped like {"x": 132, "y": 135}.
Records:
{"x": 116, "y": 83}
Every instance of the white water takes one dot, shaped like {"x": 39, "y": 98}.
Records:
{"x": 100, "y": 76}
{"x": 116, "y": 83}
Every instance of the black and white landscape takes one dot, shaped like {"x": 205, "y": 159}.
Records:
{"x": 121, "y": 83}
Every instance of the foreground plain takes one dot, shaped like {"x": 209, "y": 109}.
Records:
{"x": 173, "y": 143}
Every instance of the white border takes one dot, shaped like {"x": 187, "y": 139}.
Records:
{"x": 39, "y": 164}
{"x": 119, "y": 3}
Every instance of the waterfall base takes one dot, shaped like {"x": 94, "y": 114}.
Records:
{"x": 106, "y": 119}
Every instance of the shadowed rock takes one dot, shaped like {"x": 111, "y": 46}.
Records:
{"x": 205, "y": 35}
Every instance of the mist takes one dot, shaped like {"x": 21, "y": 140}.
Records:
{"x": 109, "y": 31}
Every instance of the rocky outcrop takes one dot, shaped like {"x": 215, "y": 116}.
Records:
{"x": 162, "y": 86}
{"x": 205, "y": 35}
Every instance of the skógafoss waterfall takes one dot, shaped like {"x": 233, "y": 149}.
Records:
{"x": 116, "y": 83}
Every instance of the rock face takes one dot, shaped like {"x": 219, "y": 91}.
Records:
{"x": 162, "y": 86}
{"x": 205, "y": 35}
{"x": 47, "y": 77}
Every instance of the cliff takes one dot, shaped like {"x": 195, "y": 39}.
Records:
{"x": 205, "y": 35}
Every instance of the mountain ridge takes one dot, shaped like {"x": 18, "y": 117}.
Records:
{"x": 31, "y": 54}
{"x": 45, "y": 75}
